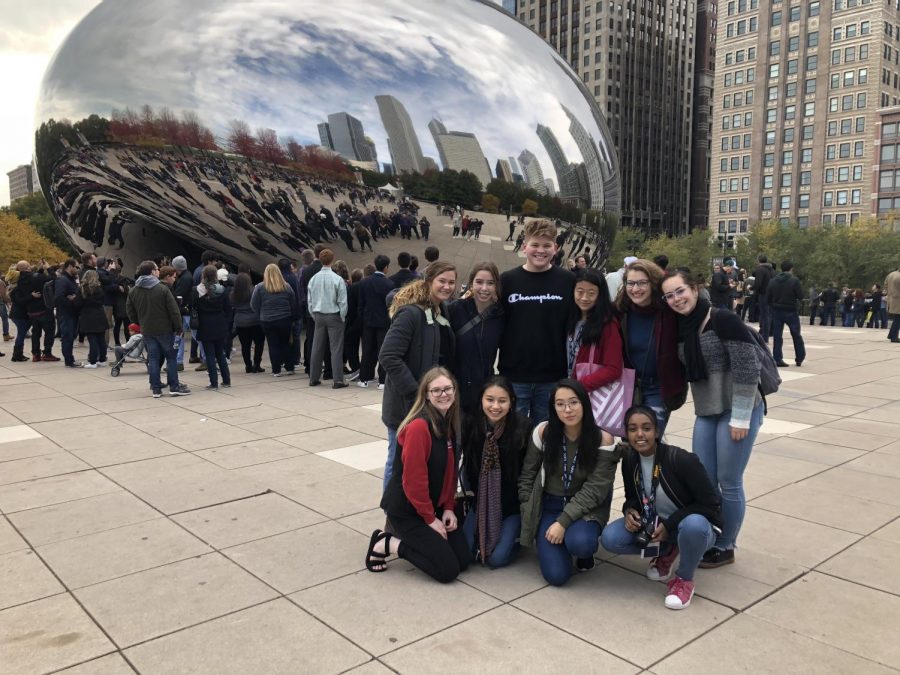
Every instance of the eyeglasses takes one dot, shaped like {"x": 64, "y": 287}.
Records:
{"x": 677, "y": 293}
{"x": 640, "y": 283}
{"x": 437, "y": 392}
{"x": 567, "y": 405}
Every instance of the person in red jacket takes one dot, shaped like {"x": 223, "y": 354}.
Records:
{"x": 593, "y": 335}
{"x": 421, "y": 493}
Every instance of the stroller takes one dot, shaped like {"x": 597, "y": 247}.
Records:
{"x": 133, "y": 351}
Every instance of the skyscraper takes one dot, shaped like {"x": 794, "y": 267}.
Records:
{"x": 569, "y": 188}
{"x": 503, "y": 171}
{"x": 590, "y": 152}
{"x": 637, "y": 59}
{"x": 325, "y": 136}
{"x": 701, "y": 135}
{"x": 21, "y": 182}
{"x": 797, "y": 134}
{"x": 461, "y": 151}
{"x": 532, "y": 171}
{"x": 406, "y": 153}
{"x": 510, "y": 6}
{"x": 348, "y": 137}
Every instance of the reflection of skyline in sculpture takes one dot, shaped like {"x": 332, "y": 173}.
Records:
{"x": 592, "y": 163}
{"x": 406, "y": 153}
{"x": 460, "y": 151}
{"x": 566, "y": 172}
{"x": 269, "y": 89}
{"x": 534, "y": 175}
{"x": 345, "y": 135}
{"x": 503, "y": 171}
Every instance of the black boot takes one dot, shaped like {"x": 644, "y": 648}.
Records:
{"x": 18, "y": 355}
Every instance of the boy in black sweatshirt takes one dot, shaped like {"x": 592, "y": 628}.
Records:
{"x": 537, "y": 298}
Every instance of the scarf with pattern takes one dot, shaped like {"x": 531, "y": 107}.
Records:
{"x": 490, "y": 510}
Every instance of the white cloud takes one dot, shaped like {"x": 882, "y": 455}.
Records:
{"x": 29, "y": 34}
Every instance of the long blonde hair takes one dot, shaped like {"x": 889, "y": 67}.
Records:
{"x": 419, "y": 292}
{"x": 90, "y": 283}
{"x": 273, "y": 279}
{"x": 444, "y": 426}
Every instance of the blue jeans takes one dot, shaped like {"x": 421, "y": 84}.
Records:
{"x": 725, "y": 461}
{"x": 214, "y": 353}
{"x": 159, "y": 346}
{"x": 4, "y": 315}
{"x": 179, "y": 340}
{"x": 392, "y": 450}
{"x": 651, "y": 396}
{"x": 506, "y": 546}
{"x": 792, "y": 320}
{"x": 533, "y": 399}
{"x": 581, "y": 541}
{"x": 22, "y": 326}
{"x": 695, "y": 537}
{"x": 68, "y": 325}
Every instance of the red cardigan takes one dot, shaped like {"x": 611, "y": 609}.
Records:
{"x": 416, "y": 441}
{"x": 607, "y": 353}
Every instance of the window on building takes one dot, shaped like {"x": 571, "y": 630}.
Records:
{"x": 794, "y": 43}
{"x": 863, "y": 76}
{"x": 738, "y": 100}
{"x": 767, "y": 182}
{"x": 770, "y": 138}
{"x": 846, "y": 126}
{"x": 787, "y": 158}
{"x": 795, "y": 13}
{"x": 847, "y": 102}
{"x": 886, "y": 180}
{"x": 766, "y": 204}
{"x": 827, "y": 199}
{"x": 840, "y": 198}
{"x": 792, "y": 67}
{"x": 803, "y": 201}
{"x": 745, "y": 162}
{"x": 809, "y": 109}
{"x": 858, "y": 148}
{"x": 843, "y": 174}
{"x": 786, "y": 179}
{"x": 788, "y": 136}
{"x": 831, "y": 152}
{"x": 857, "y": 172}
{"x": 723, "y": 164}
{"x": 844, "y": 150}
{"x": 861, "y": 100}
{"x": 806, "y": 155}
{"x": 888, "y": 153}
{"x": 835, "y": 81}
{"x": 773, "y": 94}
{"x": 790, "y": 112}
{"x": 810, "y": 86}
{"x": 808, "y": 131}
{"x": 812, "y": 62}
{"x": 776, "y": 19}
{"x": 784, "y": 202}
{"x": 812, "y": 39}
{"x": 814, "y": 8}
{"x": 864, "y": 28}
{"x": 771, "y": 115}
{"x": 774, "y": 47}
{"x": 829, "y": 175}
{"x": 790, "y": 89}
{"x": 832, "y": 128}
{"x": 769, "y": 159}
{"x": 849, "y": 54}
{"x": 805, "y": 177}
{"x": 835, "y": 56}
{"x": 863, "y": 52}
{"x": 834, "y": 104}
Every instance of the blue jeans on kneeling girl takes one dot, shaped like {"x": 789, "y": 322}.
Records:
{"x": 695, "y": 536}
{"x": 580, "y": 541}
{"x": 506, "y": 546}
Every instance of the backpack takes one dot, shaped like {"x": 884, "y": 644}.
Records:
{"x": 769, "y": 379}
{"x": 49, "y": 293}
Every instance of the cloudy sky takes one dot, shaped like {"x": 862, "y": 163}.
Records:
{"x": 29, "y": 34}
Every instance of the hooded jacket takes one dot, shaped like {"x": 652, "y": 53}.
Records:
{"x": 152, "y": 305}
{"x": 213, "y": 312}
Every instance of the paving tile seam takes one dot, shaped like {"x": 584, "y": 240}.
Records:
{"x": 222, "y": 503}
{"x": 823, "y": 642}
{"x": 855, "y": 582}
{"x": 861, "y": 535}
{"x": 160, "y": 516}
{"x": 91, "y": 660}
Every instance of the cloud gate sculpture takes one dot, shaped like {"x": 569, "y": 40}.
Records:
{"x": 214, "y": 125}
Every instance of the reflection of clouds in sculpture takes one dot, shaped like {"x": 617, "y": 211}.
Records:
{"x": 287, "y": 64}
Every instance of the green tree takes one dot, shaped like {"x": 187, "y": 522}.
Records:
{"x": 529, "y": 207}
{"x": 35, "y": 210}
{"x": 490, "y": 203}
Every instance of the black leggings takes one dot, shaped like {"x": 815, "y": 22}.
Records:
{"x": 121, "y": 324}
{"x": 441, "y": 559}
{"x": 251, "y": 336}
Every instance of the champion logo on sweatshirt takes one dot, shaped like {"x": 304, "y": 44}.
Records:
{"x": 546, "y": 297}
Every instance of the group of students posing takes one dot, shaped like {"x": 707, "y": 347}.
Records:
{"x": 480, "y": 464}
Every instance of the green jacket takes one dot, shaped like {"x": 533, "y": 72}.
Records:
{"x": 153, "y": 307}
{"x": 590, "y": 490}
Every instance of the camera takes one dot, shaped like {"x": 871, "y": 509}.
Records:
{"x": 645, "y": 534}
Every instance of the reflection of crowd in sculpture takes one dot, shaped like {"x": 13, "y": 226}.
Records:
{"x": 213, "y": 200}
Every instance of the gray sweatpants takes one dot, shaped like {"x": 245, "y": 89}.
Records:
{"x": 329, "y": 326}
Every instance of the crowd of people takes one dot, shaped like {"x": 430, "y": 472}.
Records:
{"x": 499, "y": 394}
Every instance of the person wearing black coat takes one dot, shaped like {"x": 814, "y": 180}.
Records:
{"x": 214, "y": 325}
{"x": 670, "y": 500}
{"x": 720, "y": 286}
{"x": 92, "y": 321}
{"x": 763, "y": 275}
{"x": 494, "y": 543}
{"x": 477, "y": 323}
{"x": 373, "y": 312}
{"x": 68, "y": 303}
{"x": 41, "y": 318}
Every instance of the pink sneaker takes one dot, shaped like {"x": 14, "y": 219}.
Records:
{"x": 679, "y": 593}
{"x": 661, "y": 568}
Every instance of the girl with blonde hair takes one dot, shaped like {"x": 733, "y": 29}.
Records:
{"x": 421, "y": 493}
{"x": 275, "y": 304}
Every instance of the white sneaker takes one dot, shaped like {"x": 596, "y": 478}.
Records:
{"x": 380, "y": 387}
{"x": 362, "y": 384}
{"x": 90, "y": 365}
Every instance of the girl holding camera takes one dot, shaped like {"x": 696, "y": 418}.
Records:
{"x": 670, "y": 503}
{"x": 494, "y": 442}
{"x": 421, "y": 492}
{"x": 565, "y": 510}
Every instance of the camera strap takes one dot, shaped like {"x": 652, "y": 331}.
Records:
{"x": 648, "y": 500}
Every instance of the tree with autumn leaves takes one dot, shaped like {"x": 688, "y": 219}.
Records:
{"x": 20, "y": 241}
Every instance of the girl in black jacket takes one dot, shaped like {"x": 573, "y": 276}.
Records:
{"x": 92, "y": 319}
{"x": 669, "y": 503}
{"x": 494, "y": 441}
{"x": 214, "y": 325}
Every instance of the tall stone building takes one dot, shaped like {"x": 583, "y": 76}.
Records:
{"x": 704, "y": 89}
{"x": 22, "y": 182}
{"x": 637, "y": 59}
{"x": 403, "y": 143}
{"x": 461, "y": 151}
{"x": 797, "y": 116}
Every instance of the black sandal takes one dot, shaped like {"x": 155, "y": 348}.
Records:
{"x": 374, "y": 560}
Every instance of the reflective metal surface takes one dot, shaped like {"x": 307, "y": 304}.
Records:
{"x": 152, "y": 110}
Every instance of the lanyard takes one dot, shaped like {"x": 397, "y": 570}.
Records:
{"x": 568, "y": 472}
{"x": 649, "y": 501}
